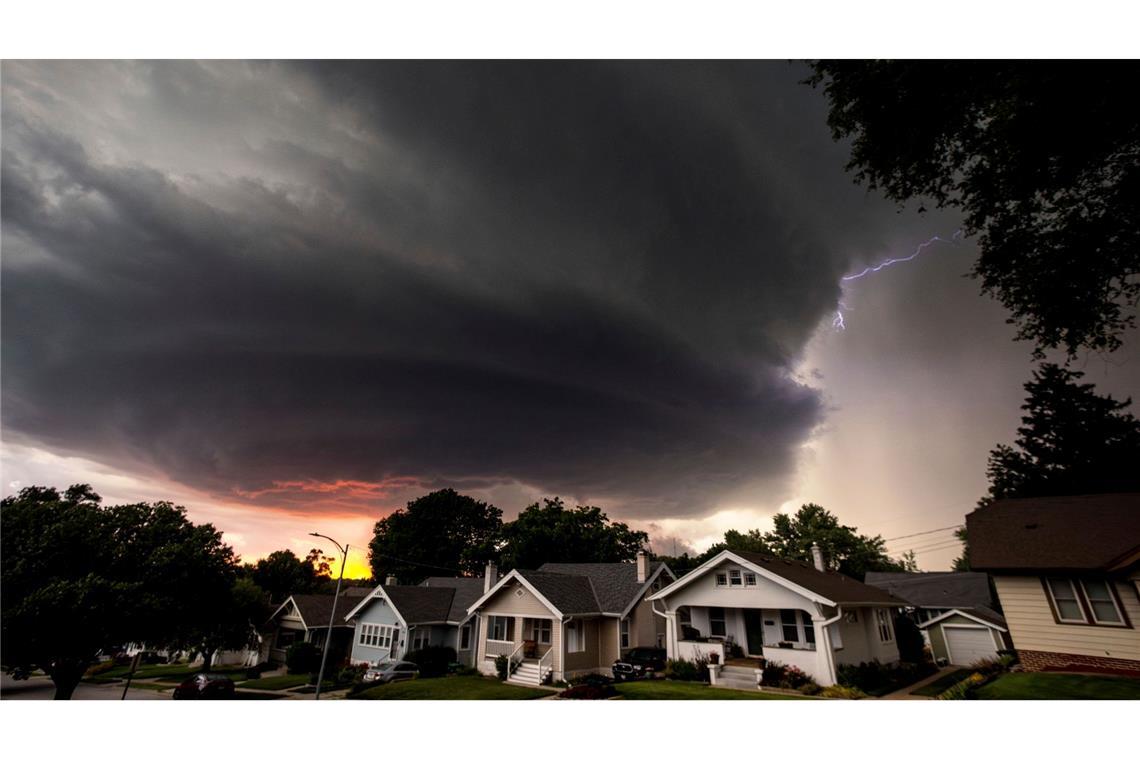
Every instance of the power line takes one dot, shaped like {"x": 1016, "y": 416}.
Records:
{"x": 928, "y": 549}
{"x": 923, "y": 533}
{"x": 418, "y": 564}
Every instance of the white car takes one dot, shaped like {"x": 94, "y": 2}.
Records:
{"x": 393, "y": 670}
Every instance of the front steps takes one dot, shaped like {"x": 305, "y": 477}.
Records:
{"x": 527, "y": 674}
{"x": 737, "y": 677}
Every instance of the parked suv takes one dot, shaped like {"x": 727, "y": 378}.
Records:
{"x": 639, "y": 662}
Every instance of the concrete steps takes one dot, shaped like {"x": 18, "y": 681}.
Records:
{"x": 737, "y": 677}
{"x": 527, "y": 674}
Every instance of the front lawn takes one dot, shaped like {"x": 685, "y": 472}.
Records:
{"x": 1059, "y": 686}
{"x": 454, "y": 687}
{"x": 166, "y": 672}
{"x": 660, "y": 689}
{"x": 934, "y": 688}
{"x": 276, "y": 683}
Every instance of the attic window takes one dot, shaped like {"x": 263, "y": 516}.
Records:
{"x": 722, "y": 579}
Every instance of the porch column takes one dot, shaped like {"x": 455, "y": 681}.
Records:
{"x": 825, "y": 658}
{"x": 671, "y": 635}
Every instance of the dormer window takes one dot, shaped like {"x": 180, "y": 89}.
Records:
{"x": 722, "y": 579}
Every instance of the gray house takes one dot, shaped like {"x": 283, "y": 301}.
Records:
{"x": 394, "y": 620}
{"x": 305, "y": 617}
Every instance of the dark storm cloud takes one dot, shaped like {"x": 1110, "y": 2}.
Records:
{"x": 589, "y": 278}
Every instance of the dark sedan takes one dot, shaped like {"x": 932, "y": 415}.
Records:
{"x": 639, "y": 662}
{"x": 205, "y": 686}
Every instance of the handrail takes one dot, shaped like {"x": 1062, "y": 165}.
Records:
{"x": 541, "y": 671}
{"x": 512, "y": 663}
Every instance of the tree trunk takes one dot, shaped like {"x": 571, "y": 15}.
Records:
{"x": 66, "y": 675}
{"x": 207, "y": 659}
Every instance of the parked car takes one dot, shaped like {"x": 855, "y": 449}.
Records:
{"x": 205, "y": 686}
{"x": 639, "y": 662}
{"x": 393, "y": 670}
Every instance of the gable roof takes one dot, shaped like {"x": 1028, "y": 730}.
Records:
{"x": 938, "y": 590}
{"x": 983, "y": 615}
{"x": 1063, "y": 533}
{"x": 467, "y": 590}
{"x": 315, "y": 609}
{"x": 615, "y": 584}
{"x": 435, "y": 600}
{"x": 829, "y": 586}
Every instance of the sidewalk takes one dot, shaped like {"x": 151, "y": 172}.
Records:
{"x": 905, "y": 692}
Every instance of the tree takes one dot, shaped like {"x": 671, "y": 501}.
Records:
{"x": 1042, "y": 158}
{"x": 1071, "y": 441}
{"x": 962, "y": 563}
{"x": 438, "y": 533}
{"x": 79, "y": 578}
{"x": 792, "y": 537}
{"x": 283, "y": 573}
{"x": 551, "y": 532}
{"x": 229, "y": 623}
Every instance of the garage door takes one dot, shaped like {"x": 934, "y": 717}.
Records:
{"x": 968, "y": 645}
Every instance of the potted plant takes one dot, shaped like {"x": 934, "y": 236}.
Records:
{"x": 714, "y": 658}
{"x": 530, "y": 648}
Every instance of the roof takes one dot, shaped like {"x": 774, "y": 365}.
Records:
{"x": 936, "y": 590}
{"x": 1065, "y": 533}
{"x": 467, "y": 590}
{"x": 421, "y": 604}
{"x": 316, "y": 609}
{"x": 614, "y": 584}
{"x": 981, "y": 614}
{"x": 570, "y": 594}
{"x": 839, "y": 588}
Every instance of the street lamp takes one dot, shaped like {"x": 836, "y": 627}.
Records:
{"x": 332, "y": 615}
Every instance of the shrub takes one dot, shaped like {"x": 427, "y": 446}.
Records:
{"x": 773, "y": 674}
{"x": 912, "y": 647}
{"x": 589, "y": 691}
{"x": 842, "y": 692}
{"x": 433, "y": 661}
{"x": 252, "y": 674}
{"x": 502, "y": 663}
{"x": 302, "y": 657}
{"x": 683, "y": 670}
{"x": 964, "y": 688}
{"x": 732, "y": 649}
{"x": 877, "y": 678}
{"x": 810, "y": 689}
{"x": 782, "y": 676}
{"x": 591, "y": 679}
{"x": 351, "y": 674}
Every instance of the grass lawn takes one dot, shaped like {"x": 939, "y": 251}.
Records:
{"x": 455, "y": 687}
{"x": 276, "y": 683}
{"x": 1060, "y": 686}
{"x": 153, "y": 686}
{"x": 659, "y": 689}
{"x": 168, "y": 672}
{"x": 934, "y": 688}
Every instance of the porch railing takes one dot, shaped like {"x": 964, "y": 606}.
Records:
{"x": 545, "y": 665}
{"x": 515, "y": 659}
{"x": 496, "y": 648}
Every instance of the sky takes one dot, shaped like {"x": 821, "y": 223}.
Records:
{"x": 295, "y": 296}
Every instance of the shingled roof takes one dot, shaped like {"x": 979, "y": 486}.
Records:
{"x": 836, "y": 586}
{"x": 615, "y": 584}
{"x": 315, "y": 609}
{"x": 467, "y": 590}
{"x": 944, "y": 590}
{"x": 1059, "y": 533}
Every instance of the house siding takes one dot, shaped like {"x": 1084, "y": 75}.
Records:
{"x": 1032, "y": 627}
{"x": 380, "y": 613}
{"x": 507, "y": 603}
{"x": 580, "y": 663}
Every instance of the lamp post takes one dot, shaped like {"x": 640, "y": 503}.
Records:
{"x": 332, "y": 615}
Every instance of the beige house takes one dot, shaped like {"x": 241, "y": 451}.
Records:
{"x": 1067, "y": 573}
{"x": 568, "y": 619}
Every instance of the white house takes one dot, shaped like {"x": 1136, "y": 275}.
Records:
{"x": 394, "y": 620}
{"x": 785, "y": 611}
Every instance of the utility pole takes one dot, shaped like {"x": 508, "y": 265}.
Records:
{"x": 332, "y": 615}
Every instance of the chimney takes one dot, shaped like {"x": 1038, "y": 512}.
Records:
{"x": 642, "y": 566}
{"x": 390, "y": 580}
{"x": 490, "y": 576}
{"x": 817, "y": 558}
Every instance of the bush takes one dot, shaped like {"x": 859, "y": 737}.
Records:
{"x": 683, "y": 670}
{"x": 877, "y": 678}
{"x": 502, "y": 662}
{"x": 252, "y": 674}
{"x": 589, "y": 691}
{"x": 842, "y": 692}
{"x": 302, "y": 657}
{"x": 433, "y": 661}
{"x": 912, "y": 647}
{"x": 781, "y": 676}
{"x": 351, "y": 674}
{"x": 592, "y": 679}
{"x": 732, "y": 649}
{"x": 810, "y": 689}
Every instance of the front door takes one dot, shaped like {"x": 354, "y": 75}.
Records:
{"x": 754, "y": 630}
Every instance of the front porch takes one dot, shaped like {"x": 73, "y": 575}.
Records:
{"x": 526, "y": 642}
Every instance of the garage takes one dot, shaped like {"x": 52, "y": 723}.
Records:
{"x": 962, "y": 637}
{"x": 967, "y": 645}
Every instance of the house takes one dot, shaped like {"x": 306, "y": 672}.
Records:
{"x": 306, "y": 617}
{"x": 787, "y": 612}
{"x": 568, "y": 619}
{"x": 955, "y": 612}
{"x": 394, "y": 620}
{"x": 1067, "y": 574}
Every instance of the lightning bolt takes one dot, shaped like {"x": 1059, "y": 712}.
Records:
{"x": 838, "y": 322}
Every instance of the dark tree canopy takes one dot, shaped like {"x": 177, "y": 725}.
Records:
{"x": 1071, "y": 441}
{"x": 1042, "y": 157}
{"x": 437, "y": 533}
{"x": 552, "y": 532}
{"x": 844, "y": 549}
{"x": 283, "y": 573}
{"x": 78, "y": 578}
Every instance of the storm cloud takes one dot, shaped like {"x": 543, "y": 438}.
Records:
{"x": 593, "y": 279}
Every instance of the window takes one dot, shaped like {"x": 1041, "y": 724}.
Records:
{"x": 464, "y": 637}
{"x": 501, "y": 628}
{"x": 1065, "y": 600}
{"x": 541, "y": 631}
{"x": 575, "y": 640}
{"x": 624, "y": 633}
{"x": 685, "y": 616}
{"x": 883, "y": 623}
{"x": 788, "y": 621}
{"x": 734, "y": 578}
{"x": 1102, "y": 602}
{"x": 421, "y": 638}
{"x": 722, "y": 579}
{"x": 750, "y": 579}
{"x": 809, "y": 629}
{"x": 373, "y": 635}
{"x": 716, "y": 621}
{"x": 285, "y": 639}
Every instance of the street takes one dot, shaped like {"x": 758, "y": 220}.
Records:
{"x": 41, "y": 687}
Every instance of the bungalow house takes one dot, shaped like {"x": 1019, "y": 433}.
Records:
{"x": 305, "y": 617}
{"x": 394, "y": 620}
{"x": 785, "y": 611}
{"x": 1067, "y": 574}
{"x": 568, "y": 619}
{"x": 955, "y": 611}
